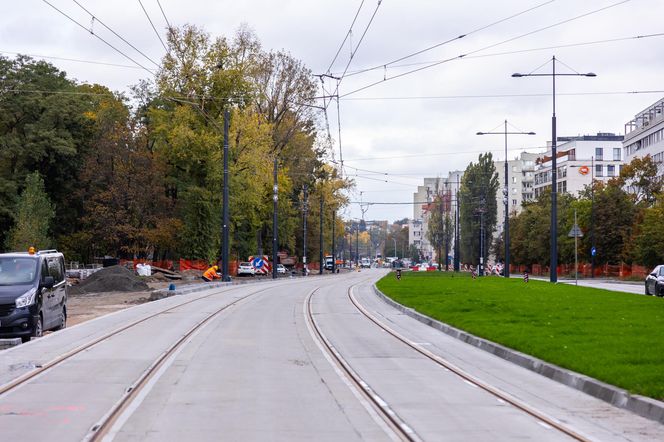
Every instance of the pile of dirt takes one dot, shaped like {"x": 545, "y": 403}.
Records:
{"x": 111, "y": 279}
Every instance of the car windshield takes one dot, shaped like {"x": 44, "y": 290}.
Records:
{"x": 15, "y": 271}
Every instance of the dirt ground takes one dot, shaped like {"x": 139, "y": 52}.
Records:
{"x": 89, "y": 306}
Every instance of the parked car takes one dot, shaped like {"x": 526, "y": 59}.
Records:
{"x": 655, "y": 282}
{"x": 33, "y": 293}
{"x": 281, "y": 269}
{"x": 245, "y": 268}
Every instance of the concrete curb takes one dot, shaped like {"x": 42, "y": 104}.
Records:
{"x": 643, "y": 406}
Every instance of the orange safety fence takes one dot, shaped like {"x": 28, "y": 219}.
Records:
{"x": 621, "y": 270}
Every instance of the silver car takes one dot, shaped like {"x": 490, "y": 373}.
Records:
{"x": 655, "y": 282}
{"x": 245, "y": 268}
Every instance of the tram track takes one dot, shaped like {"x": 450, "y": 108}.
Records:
{"x": 42, "y": 369}
{"x": 467, "y": 377}
{"x": 394, "y": 423}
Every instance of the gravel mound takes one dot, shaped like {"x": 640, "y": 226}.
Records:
{"x": 111, "y": 279}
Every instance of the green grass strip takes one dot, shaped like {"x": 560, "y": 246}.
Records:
{"x": 615, "y": 337}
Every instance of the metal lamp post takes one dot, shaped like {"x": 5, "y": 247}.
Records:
{"x": 553, "y": 272}
{"x": 506, "y": 197}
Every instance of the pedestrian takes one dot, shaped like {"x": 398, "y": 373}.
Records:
{"x": 211, "y": 273}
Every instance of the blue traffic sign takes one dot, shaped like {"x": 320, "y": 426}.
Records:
{"x": 257, "y": 263}
{"x": 593, "y": 251}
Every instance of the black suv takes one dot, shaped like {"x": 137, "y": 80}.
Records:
{"x": 33, "y": 293}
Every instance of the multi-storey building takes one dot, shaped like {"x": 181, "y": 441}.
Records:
{"x": 644, "y": 135}
{"x": 580, "y": 159}
{"x": 520, "y": 174}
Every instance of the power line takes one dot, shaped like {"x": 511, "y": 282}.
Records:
{"x": 94, "y": 17}
{"x": 354, "y": 51}
{"x": 350, "y": 30}
{"x": 73, "y": 59}
{"x": 152, "y": 24}
{"x": 520, "y": 51}
{"x": 385, "y": 65}
{"x": 104, "y": 41}
{"x": 385, "y": 79}
{"x": 164, "y": 15}
{"x": 548, "y": 94}
{"x": 465, "y": 152}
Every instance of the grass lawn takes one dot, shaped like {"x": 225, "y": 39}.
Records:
{"x": 615, "y": 337}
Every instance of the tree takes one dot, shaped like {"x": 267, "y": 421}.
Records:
{"x": 648, "y": 240}
{"x": 640, "y": 177}
{"x": 34, "y": 214}
{"x": 44, "y": 125}
{"x": 440, "y": 228}
{"x": 477, "y": 196}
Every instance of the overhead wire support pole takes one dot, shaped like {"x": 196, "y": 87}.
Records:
{"x": 225, "y": 231}
{"x": 320, "y": 262}
{"x": 506, "y": 197}
{"x": 553, "y": 263}
{"x": 304, "y": 228}
{"x": 275, "y": 221}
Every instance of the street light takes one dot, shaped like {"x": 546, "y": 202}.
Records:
{"x": 553, "y": 272}
{"x": 506, "y": 197}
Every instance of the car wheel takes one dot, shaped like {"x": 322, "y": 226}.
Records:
{"x": 63, "y": 319}
{"x": 37, "y": 330}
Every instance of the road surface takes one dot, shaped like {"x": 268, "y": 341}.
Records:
{"x": 286, "y": 360}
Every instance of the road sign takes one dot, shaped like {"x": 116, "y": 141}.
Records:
{"x": 593, "y": 251}
{"x": 575, "y": 232}
{"x": 257, "y": 263}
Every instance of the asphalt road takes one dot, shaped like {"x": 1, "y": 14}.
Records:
{"x": 258, "y": 371}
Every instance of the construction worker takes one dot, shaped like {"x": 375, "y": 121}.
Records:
{"x": 211, "y": 274}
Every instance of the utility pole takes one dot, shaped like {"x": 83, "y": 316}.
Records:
{"x": 275, "y": 228}
{"x": 357, "y": 245}
{"x": 334, "y": 250}
{"x": 320, "y": 262}
{"x": 457, "y": 266}
{"x": 225, "y": 231}
{"x": 304, "y": 237}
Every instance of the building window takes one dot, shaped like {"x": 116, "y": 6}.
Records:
{"x": 514, "y": 179}
{"x": 599, "y": 170}
{"x": 599, "y": 154}
{"x": 616, "y": 154}
{"x": 611, "y": 170}
{"x": 514, "y": 202}
{"x": 571, "y": 154}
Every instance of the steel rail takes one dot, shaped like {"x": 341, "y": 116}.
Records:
{"x": 11, "y": 385}
{"x": 105, "y": 424}
{"x": 389, "y": 416}
{"x": 502, "y": 395}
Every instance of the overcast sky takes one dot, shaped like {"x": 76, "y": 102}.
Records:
{"x": 405, "y": 138}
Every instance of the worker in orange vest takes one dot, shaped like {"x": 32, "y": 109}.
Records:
{"x": 211, "y": 274}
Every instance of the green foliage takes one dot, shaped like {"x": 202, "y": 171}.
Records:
{"x": 34, "y": 215}
{"x": 477, "y": 196}
{"x": 649, "y": 238}
{"x": 201, "y": 232}
{"x": 573, "y": 327}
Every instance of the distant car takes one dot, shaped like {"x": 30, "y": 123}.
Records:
{"x": 655, "y": 282}
{"x": 281, "y": 269}
{"x": 245, "y": 268}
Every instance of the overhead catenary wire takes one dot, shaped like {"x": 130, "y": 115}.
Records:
{"x": 450, "y": 40}
{"x": 98, "y": 37}
{"x": 76, "y": 60}
{"x": 359, "y": 43}
{"x": 461, "y": 56}
{"x": 164, "y": 15}
{"x": 152, "y": 24}
{"x": 521, "y": 51}
{"x": 116, "y": 34}
{"x": 543, "y": 94}
{"x": 348, "y": 33}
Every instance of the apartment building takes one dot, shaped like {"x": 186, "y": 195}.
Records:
{"x": 644, "y": 135}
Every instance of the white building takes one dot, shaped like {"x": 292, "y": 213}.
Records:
{"x": 422, "y": 199}
{"x": 580, "y": 159}
{"x": 644, "y": 135}
{"x": 521, "y": 175}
